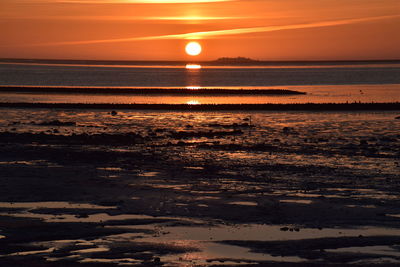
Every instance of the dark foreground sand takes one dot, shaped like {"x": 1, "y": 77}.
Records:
{"x": 90, "y": 188}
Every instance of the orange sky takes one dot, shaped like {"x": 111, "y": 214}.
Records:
{"x": 159, "y": 30}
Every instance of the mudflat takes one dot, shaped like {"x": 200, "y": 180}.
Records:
{"x": 95, "y": 187}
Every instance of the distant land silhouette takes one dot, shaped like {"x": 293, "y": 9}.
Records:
{"x": 236, "y": 60}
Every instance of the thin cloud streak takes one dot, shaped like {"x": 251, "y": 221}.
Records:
{"x": 219, "y": 33}
{"x": 199, "y": 35}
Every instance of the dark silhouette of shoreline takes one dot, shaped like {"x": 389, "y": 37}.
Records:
{"x": 217, "y": 107}
{"x": 147, "y": 91}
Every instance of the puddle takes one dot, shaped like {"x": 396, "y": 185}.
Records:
{"x": 226, "y": 254}
{"x": 362, "y": 193}
{"x": 148, "y": 174}
{"x": 21, "y": 162}
{"x": 32, "y": 252}
{"x": 256, "y": 232}
{"x": 194, "y": 168}
{"x": 91, "y": 250}
{"x": 393, "y": 215}
{"x": 110, "y": 176}
{"x": 376, "y": 250}
{"x": 305, "y": 195}
{"x": 207, "y": 198}
{"x": 52, "y": 205}
{"x": 243, "y": 203}
{"x": 348, "y": 193}
{"x": 117, "y": 261}
{"x": 109, "y": 169}
{"x": 373, "y": 262}
{"x": 204, "y": 239}
{"x": 93, "y": 218}
{"x": 298, "y": 201}
{"x": 204, "y": 192}
{"x": 363, "y": 206}
{"x": 205, "y": 249}
{"x": 51, "y": 259}
{"x": 121, "y": 150}
{"x": 168, "y": 186}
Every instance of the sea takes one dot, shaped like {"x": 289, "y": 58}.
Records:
{"x": 322, "y": 82}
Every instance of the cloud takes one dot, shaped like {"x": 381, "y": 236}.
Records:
{"x": 199, "y": 35}
{"x": 220, "y": 33}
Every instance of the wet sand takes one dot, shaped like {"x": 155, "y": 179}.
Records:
{"x": 84, "y": 187}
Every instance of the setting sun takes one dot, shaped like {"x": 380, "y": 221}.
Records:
{"x": 193, "y": 48}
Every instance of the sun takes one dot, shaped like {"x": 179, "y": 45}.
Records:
{"x": 193, "y": 48}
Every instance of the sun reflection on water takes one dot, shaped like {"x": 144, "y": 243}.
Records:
{"x": 193, "y": 102}
{"x": 193, "y": 66}
{"x": 193, "y": 87}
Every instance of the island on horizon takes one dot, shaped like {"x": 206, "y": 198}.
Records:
{"x": 235, "y": 60}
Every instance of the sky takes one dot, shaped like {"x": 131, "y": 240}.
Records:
{"x": 160, "y": 29}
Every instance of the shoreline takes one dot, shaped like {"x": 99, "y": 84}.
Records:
{"x": 393, "y": 106}
{"x": 147, "y": 91}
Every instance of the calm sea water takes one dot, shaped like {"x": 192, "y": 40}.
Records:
{"x": 322, "y": 83}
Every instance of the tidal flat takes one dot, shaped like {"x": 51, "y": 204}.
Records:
{"x": 95, "y": 187}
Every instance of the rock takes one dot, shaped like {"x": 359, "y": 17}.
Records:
{"x": 113, "y": 113}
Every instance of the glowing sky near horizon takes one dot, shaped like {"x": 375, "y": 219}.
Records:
{"x": 160, "y": 29}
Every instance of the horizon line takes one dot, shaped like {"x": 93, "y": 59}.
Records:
{"x": 250, "y": 60}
